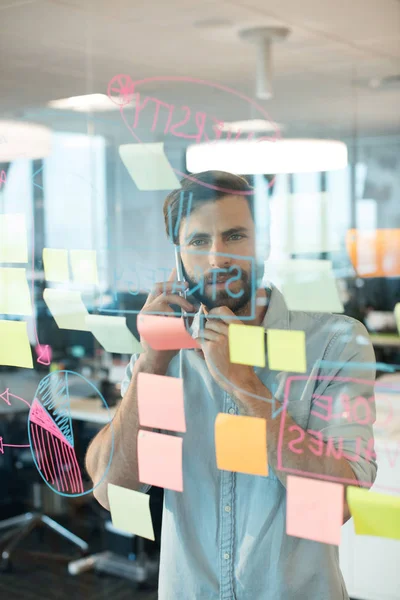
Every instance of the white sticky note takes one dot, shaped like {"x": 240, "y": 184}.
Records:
{"x": 13, "y": 238}
{"x": 55, "y": 264}
{"x": 397, "y": 316}
{"x": 84, "y": 267}
{"x": 15, "y": 298}
{"x": 148, "y": 166}
{"x": 130, "y": 511}
{"x": 307, "y": 285}
{"x": 67, "y": 308}
{"x": 113, "y": 334}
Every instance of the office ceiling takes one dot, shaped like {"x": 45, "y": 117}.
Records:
{"x": 52, "y": 49}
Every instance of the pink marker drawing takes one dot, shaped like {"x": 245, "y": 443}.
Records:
{"x": 2, "y": 445}
{"x": 127, "y": 89}
{"x": 6, "y": 395}
{"x": 3, "y": 178}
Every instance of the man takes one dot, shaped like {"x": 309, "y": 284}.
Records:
{"x": 225, "y": 536}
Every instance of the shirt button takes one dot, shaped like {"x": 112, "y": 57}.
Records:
{"x": 231, "y": 411}
{"x": 227, "y": 556}
{"x": 227, "y": 508}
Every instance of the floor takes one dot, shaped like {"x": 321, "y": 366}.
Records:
{"x": 36, "y": 576}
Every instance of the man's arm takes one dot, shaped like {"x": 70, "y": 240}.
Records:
{"x": 125, "y": 426}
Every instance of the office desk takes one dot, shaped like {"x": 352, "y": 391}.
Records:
{"x": 90, "y": 410}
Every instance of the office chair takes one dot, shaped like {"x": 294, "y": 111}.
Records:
{"x": 21, "y": 526}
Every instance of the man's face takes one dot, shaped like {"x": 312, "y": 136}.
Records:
{"x": 209, "y": 237}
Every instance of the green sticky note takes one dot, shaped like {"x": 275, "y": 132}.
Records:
{"x": 13, "y": 238}
{"x": 130, "y": 511}
{"x": 113, "y": 334}
{"x": 67, "y": 309}
{"x": 374, "y": 514}
{"x": 14, "y": 292}
{"x": 15, "y": 349}
{"x": 148, "y": 166}
{"x": 55, "y": 264}
{"x": 84, "y": 267}
{"x": 286, "y": 350}
{"x": 247, "y": 345}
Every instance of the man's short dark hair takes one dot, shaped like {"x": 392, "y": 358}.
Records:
{"x": 208, "y": 186}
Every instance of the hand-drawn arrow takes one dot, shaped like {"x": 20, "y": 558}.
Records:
{"x": 2, "y": 446}
{"x": 6, "y": 395}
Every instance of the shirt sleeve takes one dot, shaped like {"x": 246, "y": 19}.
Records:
{"x": 124, "y": 387}
{"x": 128, "y": 374}
{"x": 343, "y": 405}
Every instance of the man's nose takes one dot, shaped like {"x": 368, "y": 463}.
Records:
{"x": 217, "y": 257}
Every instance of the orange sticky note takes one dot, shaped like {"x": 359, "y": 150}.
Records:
{"x": 160, "y": 460}
{"x": 160, "y": 402}
{"x": 314, "y": 509}
{"x": 241, "y": 444}
{"x": 165, "y": 333}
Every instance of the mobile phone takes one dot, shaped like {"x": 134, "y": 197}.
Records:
{"x": 180, "y": 276}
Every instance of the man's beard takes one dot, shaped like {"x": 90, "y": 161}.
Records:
{"x": 220, "y": 297}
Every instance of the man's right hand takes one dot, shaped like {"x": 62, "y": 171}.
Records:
{"x": 159, "y": 301}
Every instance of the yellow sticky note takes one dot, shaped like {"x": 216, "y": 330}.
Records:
{"x": 55, "y": 264}
{"x": 67, "y": 308}
{"x": 15, "y": 349}
{"x": 14, "y": 292}
{"x": 374, "y": 514}
{"x": 397, "y": 316}
{"x": 113, "y": 334}
{"x": 241, "y": 444}
{"x": 84, "y": 266}
{"x": 13, "y": 238}
{"x": 148, "y": 166}
{"x": 130, "y": 511}
{"x": 247, "y": 345}
{"x": 286, "y": 350}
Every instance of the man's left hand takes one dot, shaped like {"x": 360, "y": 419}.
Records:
{"x": 214, "y": 340}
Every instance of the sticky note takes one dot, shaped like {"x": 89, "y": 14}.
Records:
{"x": 15, "y": 349}
{"x": 55, "y": 264}
{"x": 84, "y": 267}
{"x": 286, "y": 350}
{"x": 160, "y": 460}
{"x": 397, "y": 316}
{"x": 13, "y": 238}
{"x": 374, "y": 514}
{"x": 247, "y": 344}
{"x": 306, "y": 285}
{"x": 130, "y": 511}
{"x": 113, "y": 334}
{"x": 314, "y": 509}
{"x": 67, "y": 308}
{"x": 160, "y": 402}
{"x": 241, "y": 444}
{"x": 148, "y": 166}
{"x": 165, "y": 333}
{"x": 15, "y": 298}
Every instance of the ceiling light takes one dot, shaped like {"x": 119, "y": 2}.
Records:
{"x": 87, "y": 103}
{"x": 281, "y": 156}
{"x": 23, "y": 140}
{"x": 256, "y": 125}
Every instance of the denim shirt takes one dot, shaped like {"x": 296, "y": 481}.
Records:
{"x": 224, "y": 537}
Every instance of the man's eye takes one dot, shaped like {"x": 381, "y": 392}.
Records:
{"x": 236, "y": 236}
{"x": 197, "y": 242}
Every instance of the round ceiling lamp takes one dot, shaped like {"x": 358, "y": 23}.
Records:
{"x": 263, "y": 157}
{"x": 20, "y": 139}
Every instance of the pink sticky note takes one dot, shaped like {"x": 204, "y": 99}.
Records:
{"x": 314, "y": 509}
{"x": 160, "y": 460}
{"x": 160, "y": 402}
{"x": 165, "y": 333}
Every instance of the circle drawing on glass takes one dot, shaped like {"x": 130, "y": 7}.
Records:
{"x": 51, "y": 436}
{"x": 121, "y": 90}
